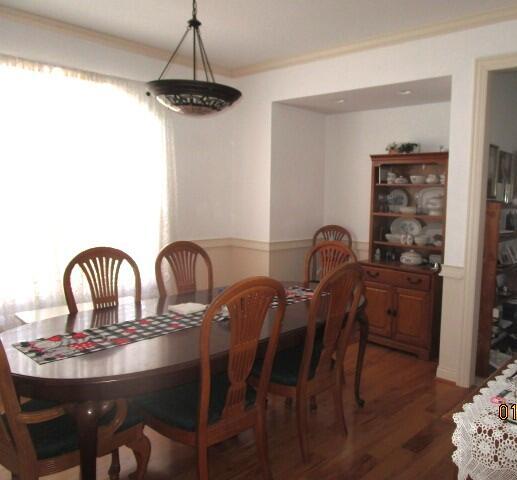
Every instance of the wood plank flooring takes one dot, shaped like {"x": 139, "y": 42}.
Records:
{"x": 403, "y": 432}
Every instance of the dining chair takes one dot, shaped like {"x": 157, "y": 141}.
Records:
{"x": 328, "y": 255}
{"x": 182, "y": 258}
{"x": 39, "y": 438}
{"x": 333, "y": 232}
{"x": 221, "y": 404}
{"x": 304, "y": 371}
{"x": 330, "y": 233}
{"x": 101, "y": 266}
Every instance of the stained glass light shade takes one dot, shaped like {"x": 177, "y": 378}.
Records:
{"x": 193, "y": 97}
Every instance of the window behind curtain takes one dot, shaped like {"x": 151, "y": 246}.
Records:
{"x": 83, "y": 163}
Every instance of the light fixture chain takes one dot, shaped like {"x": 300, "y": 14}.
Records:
{"x": 194, "y": 66}
{"x": 203, "y": 54}
{"x": 174, "y": 53}
{"x": 203, "y": 58}
{"x": 194, "y": 8}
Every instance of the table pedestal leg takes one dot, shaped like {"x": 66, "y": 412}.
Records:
{"x": 87, "y": 421}
{"x": 363, "y": 338}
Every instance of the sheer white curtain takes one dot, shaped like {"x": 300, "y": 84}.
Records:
{"x": 85, "y": 160}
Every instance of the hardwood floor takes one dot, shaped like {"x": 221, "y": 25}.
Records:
{"x": 403, "y": 432}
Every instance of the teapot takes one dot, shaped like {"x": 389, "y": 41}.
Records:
{"x": 432, "y": 178}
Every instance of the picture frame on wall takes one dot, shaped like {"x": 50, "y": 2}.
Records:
{"x": 493, "y": 167}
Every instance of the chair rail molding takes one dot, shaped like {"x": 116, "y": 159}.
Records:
{"x": 359, "y": 247}
{"x": 244, "y": 257}
{"x": 452, "y": 271}
{"x": 475, "y": 220}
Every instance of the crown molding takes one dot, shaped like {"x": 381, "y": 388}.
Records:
{"x": 104, "y": 39}
{"x": 138, "y": 48}
{"x": 465, "y": 23}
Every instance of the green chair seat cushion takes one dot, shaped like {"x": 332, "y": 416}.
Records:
{"x": 179, "y": 406}
{"x": 59, "y": 436}
{"x": 287, "y": 362}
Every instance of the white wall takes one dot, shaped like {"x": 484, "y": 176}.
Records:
{"x": 204, "y": 170}
{"x": 452, "y": 54}
{"x": 502, "y": 111}
{"x": 350, "y": 138}
{"x": 297, "y": 172}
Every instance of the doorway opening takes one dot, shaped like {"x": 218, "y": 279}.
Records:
{"x": 478, "y": 184}
{"x": 497, "y": 330}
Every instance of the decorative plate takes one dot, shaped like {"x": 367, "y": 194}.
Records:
{"x": 426, "y": 194}
{"x": 397, "y": 198}
{"x": 406, "y": 225}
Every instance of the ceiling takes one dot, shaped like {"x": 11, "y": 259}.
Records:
{"x": 432, "y": 90}
{"x": 242, "y": 33}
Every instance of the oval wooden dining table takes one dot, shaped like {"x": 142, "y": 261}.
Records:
{"x": 133, "y": 369}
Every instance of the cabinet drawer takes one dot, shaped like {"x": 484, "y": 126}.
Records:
{"x": 412, "y": 280}
{"x": 380, "y": 275}
{"x": 397, "y": 278}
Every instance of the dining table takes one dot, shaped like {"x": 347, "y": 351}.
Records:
{"x": 137, "y": 368}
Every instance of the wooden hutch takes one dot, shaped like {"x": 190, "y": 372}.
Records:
{"x": 404, "y": 302}
{"x": 496, "y": 263}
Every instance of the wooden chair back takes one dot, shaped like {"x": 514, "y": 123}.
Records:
{"x": 339, "y": 292}
{"x": 101, "y": 266}
{"x": 248, "y": 302}
{"x": 15, "y": 440}
{"x": 328, "y": 255}
{"x": 182, "y": 258}
{"x": 17, "y": 452}
{"x": 333, "y": 232}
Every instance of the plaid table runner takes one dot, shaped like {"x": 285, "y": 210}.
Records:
{"x": 59, "y": 347}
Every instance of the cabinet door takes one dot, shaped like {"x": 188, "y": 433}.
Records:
{"x": 378, "y": 308}
{"x": 411, "y": 317}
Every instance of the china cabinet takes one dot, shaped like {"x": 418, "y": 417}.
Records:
{"x": 407, "y": 237}
{"x": 497, "y": 330}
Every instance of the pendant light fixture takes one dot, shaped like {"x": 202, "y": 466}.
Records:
{"x": 193, "y": 97}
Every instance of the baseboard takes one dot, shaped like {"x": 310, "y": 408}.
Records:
{"x": 446, "y": 373}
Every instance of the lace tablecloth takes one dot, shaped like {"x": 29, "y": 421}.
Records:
{"x": 486, "y": 445}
